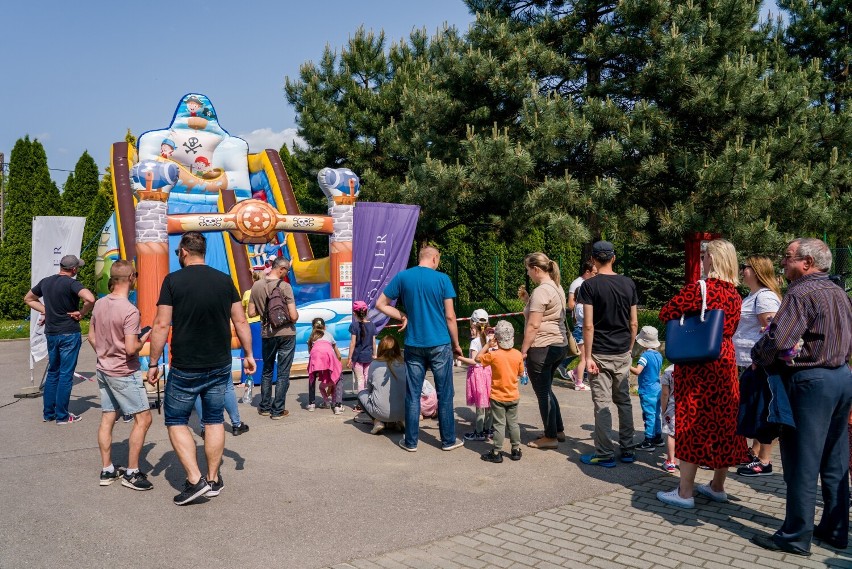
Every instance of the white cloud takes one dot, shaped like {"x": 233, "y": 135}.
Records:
{"x": 264, "y": 138}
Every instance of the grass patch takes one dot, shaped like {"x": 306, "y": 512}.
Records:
{"x": 16, "y": 329}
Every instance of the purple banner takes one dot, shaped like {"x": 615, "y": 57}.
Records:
{"x": 381, "y": 243}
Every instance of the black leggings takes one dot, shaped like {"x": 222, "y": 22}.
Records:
{"x": 541, "y": 365}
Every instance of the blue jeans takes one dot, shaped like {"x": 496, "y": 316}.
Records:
{"x": 818, "y": 448}
{"x": 230, "y": 405}
{"x": 280, "y": 350}
{"x": 62, "y": 352}
{"x": 183, "y": 387}
{"x": 649, "y": 398}
{"x": 440, "y": 360}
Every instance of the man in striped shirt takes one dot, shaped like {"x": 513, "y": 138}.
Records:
{"x": 809, "y": 342}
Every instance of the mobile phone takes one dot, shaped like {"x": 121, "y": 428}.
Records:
{"x": 144, "y": 331}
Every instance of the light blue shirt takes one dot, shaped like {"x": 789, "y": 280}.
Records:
{"x": 650, "y": 377}
{"x": 423, "y": 290}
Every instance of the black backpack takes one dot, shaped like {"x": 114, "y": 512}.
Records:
{"x": 277, "y": 314}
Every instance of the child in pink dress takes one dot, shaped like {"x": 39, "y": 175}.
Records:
{"x": 478, "y": 379}
{"x": 324, "y": 367}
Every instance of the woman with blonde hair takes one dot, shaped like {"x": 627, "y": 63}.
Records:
{"x": 707, "y": 394}
{"x": 545, "y": 342}
{"x": 759, "y": 307}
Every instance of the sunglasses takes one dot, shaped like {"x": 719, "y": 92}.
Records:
{"x": 744, "y": 267}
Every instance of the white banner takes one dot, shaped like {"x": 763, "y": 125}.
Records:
{"x": 53, "y": 238}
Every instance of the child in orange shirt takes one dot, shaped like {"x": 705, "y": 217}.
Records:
{"x": 507, "y": 365}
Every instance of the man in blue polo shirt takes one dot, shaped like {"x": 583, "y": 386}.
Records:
{"x": 431, "y": 341}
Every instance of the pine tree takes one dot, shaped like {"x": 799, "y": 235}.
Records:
{"x": 30, "y": 192}
{"x": 79, "y": 199}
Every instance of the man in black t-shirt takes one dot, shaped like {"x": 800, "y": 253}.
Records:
{"x": 62, "y": 313}
{"x": 199, "y": 303}
{"x": 610, "y": 323}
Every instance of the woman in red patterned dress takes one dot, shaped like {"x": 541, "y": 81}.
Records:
{"x": 707, "y": 395}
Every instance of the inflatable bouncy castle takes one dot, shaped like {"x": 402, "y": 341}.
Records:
{"x": 193, "y": 175}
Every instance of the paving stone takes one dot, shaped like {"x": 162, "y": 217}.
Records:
{"x": 626, "y": 560}
{"x": 626, "y": 528}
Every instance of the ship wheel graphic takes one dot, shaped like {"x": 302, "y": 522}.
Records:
{"x": 250, "y": 221}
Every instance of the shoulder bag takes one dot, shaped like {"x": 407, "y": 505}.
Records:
{"x": 573, "y": 348}
{"x": 696, "y": 338}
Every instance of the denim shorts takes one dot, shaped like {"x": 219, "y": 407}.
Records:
{"x": 184, "y": 386}
{"x": 123, "y": 394}
{"x": 577, "y": 332}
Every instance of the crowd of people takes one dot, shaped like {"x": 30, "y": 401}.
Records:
{"x": 801, "y": 342}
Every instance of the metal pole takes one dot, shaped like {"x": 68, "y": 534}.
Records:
{"x": 2, "y": 200}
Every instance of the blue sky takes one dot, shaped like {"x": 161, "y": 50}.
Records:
{"x": 76, "y": 75}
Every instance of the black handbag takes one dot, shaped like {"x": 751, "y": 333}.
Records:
{"x": 696, "y": 338}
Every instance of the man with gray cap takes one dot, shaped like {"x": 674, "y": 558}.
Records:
{"x": 610, "y": 323}
{"x": 57, "y": 298}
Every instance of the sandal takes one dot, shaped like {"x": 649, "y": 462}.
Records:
{"x": 543, "y": 444}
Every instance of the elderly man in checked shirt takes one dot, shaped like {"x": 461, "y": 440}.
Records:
{"x": 815, "y": 316}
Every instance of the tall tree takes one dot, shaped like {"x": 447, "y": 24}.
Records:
{"x": 79, "y": 199}
{"x": 81, "y": 188}
{"x": 30, "y": 192}
{"x": 308, "y": 195}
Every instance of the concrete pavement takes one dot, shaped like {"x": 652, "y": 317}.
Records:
{"x": 317, "y": 490}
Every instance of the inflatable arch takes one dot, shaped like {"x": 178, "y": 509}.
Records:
{"x": 193, "y": 175}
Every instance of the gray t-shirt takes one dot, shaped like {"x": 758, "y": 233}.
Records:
{"x": 260, "y": 292}
{"x": 387, "y": 386}
{"x": 748, "y": 330}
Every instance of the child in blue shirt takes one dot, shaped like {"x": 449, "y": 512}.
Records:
{"x": 648, "y": 369}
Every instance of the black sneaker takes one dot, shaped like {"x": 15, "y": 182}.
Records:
{"x": 751, "y": 458}
{"x": 264, "y": 412}
{"x": 492, "y": 456}
{"x": 756, "y": 468}
{"x": 659, "y": 441}
{"x": 215, "y": 487}
{"x": 192, "y": 491}
{"x": 243, "y": 428}
{"x": 646, "y": 445}
{"x": 108, "y": 478}
{"x": 516, "y": 454}
{"x": 137, "y": 481}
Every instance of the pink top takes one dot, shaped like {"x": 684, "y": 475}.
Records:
{"x": 323, "y": 357}
{"x": 113, "y": 318}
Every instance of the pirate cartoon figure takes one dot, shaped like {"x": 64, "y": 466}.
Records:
{"x": 193, "y": 105}
{"x": 167, "y": 147}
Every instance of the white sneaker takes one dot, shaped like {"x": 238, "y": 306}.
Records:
{"x": 338, "y": 409}
{"x": 453, "y": 446}
{"x": 673, "y": 498}
{"x": 311, "y": 407}
{"x": 705, "y": 490}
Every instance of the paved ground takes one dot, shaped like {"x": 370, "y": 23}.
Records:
{"x": 317, "y": 490}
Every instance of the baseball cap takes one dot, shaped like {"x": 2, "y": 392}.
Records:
{"x": 504, "y": 333}
{"x": 479, "y": 316}
{"x": 603, "y": 251}
{"x": 71, "y": 262}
